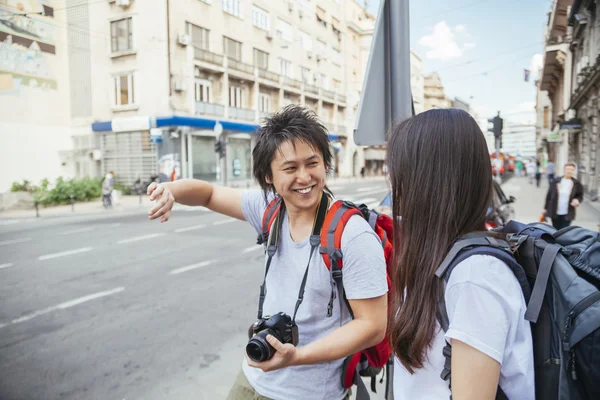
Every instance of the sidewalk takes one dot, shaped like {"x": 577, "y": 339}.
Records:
{"x": 133, "y": 204}
{"x": 530, "y": 203}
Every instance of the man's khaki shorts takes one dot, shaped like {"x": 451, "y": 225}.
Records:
{"x": 242, "y": 390}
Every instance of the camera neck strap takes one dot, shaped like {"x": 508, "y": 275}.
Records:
{"x": 315, "y": 241}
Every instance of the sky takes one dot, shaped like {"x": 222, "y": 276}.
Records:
{"x": 480, "y": 49}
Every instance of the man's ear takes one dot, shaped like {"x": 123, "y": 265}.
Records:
{"x": 268, "y": 179}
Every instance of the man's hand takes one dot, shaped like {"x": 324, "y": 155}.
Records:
{"x": 284, "y": 356}
{"x": 575, "y": 203}
{"x": 164, "y": 202}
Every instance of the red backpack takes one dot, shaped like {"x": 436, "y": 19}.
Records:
{"x": 368, "y": 362}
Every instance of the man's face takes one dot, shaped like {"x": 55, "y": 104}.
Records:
{"x": 298, "y": 175}
{"x": 569, "y": 171}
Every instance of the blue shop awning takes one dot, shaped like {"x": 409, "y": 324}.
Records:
{"x": 177, "y": 120}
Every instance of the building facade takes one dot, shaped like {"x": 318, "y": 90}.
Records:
{"x": 584, "y": 130}
{"x": 34, "y": 92}
{"x": 434, "y": 96}
{"x": 417, "y": 82}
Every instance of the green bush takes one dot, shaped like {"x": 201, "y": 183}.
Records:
{"x": 124, "y": 189}
{"x": 84, "y": 189}
{"x": 25, "y": 186}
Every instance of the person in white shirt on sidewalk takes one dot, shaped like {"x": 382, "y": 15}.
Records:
{"x": 564, "y": 195}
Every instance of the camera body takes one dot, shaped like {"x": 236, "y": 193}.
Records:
{"x": 280, "y": 325}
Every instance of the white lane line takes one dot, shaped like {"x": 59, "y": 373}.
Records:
{"x": 138, "y": 238}
{"x": 191, "y": 267}
{"x": 64, "y": 253}
{"x": 365, "y": 189}
{"x": 225, "y": 221}
{"x": 21, "y": 240}
{"x": 253, "y": 248}
{"x": 2, "y": 266}
{"x": 62, "y": 306}
{"x": 78, "y": 230}
{"x": 190, "y": 228}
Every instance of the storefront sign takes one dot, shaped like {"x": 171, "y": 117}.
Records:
{"x": 130, "y": 124}
{"x": 554, "y": 136}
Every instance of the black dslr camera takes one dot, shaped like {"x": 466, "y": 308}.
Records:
{"x": 279, "y": 325}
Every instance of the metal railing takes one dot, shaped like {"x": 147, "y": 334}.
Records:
{"x": 210, "y": 108}
{"x": 242, "y": 113}
{"x": 328, "y": 93}
{"x": 240, "y": 66}
{"x": 207, "y": 56}
{"x": 266, "y": 74}
{"x": 292, "y": 82}
{"x": 341, "y": 98}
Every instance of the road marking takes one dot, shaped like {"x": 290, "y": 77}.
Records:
{"x": 21, "y": 240}
{"x": 10, "y": 222}
{"x": 138, "y": 238}
{"x": 253, "y": 248}
{"x": 78, "y": 230}
{"x": 64, "y": 253}
{"x": 365, "y": 189}
{"x": 225, "y": 221}
{"x": 190, "y": 228}
{"x": 191, "y": 267}
{"x": 2, "y": 266}
{"x": 62, "y": 306}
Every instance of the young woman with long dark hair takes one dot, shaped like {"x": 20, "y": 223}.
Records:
{"x": 441, "y": 180}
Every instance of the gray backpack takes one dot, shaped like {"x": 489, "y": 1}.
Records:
{"x": 559, "y": 273}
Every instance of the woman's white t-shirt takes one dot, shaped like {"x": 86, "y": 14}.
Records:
{"x": 486, "y": 309}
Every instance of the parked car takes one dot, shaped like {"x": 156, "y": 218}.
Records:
{"x": 499, "y": 212}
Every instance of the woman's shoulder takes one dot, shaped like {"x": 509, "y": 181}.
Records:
{"x": 487, "y": 272}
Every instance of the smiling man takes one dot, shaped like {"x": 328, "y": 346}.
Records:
{"x": 291, "y": 159}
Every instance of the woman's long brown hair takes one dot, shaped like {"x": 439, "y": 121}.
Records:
{"x": 441, "y": 178}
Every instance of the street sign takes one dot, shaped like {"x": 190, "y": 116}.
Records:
{"x": 386, "y": 94}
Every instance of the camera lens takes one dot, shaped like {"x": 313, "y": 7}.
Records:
{"x": 258, "y": 349}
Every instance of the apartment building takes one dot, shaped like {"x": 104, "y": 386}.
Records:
{"x": 172, "y": 80}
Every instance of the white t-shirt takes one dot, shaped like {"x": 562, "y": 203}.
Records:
{"x": 486, "y": 309}
{"x": 564, "y": 194}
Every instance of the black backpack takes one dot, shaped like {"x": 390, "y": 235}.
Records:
{"x": 559, "y": 273}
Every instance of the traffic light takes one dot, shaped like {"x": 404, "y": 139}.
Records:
{"x": 221, "y": 146}
{"x": 497, "y": 125}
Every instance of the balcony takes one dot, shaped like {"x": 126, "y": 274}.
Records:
{"x": 330, "y": 126}
{"x": 265, "y": 74}
{"x": 242, "y": 113}
{"x": 210, "y": 109}
{"x": 208, "y": 57}
{"x": 291, "y": 82}
{"x": 311, "y": 89}
{"x": 263, "y": 114}
{"x": 240, "y": 66}
{"x": 341, "y": 98}
{"x": 328, "y": 94}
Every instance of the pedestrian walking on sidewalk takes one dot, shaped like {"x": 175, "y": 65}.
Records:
{"x": 550, "y": 171}
{"x": 564, "y": 195}
{"x": 439, "y": 201}
{"x": 531, "y": 171}
{"x": 538, "y": 173}
{"x": 292, "y": 157}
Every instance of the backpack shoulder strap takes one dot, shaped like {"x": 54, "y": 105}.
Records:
{"x": 269, "y": 217}
{"x": 331, "y": 248}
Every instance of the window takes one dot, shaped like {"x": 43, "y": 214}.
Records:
{"x": 284, "y": 30}
{"x": 232, "y": 7}
{"x": 121, "y": 35}
{"x": 305, "y": 40}
{"x": 304, "y": 73}
{"x": 336, "y": 57}
{"x": 285, "y": 68}
{"x": 321, "y": 81}
{"x": 336, "y": 85}
{"x": 200, "y": 36}
{"x": 236, "y": 97}
{"x": 546, "y": 117}
{"x": 123, "y": 90}
{"x": 232, "y": 49}
{"x": 202, "y": 90}
{"x": 264, "y": 102}
{"x": 321, "y": 48}
{"x": 261, "y": 59}
{"x": 321, "y": 19}
{"x": 260, "y": 18}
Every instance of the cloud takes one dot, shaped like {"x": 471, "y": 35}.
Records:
{"x": 537, "y": 62}
{"x": 441, "y": 42}
{"x": 527, "y": 106}
{"x": 460, "y": 28}
{"x": 469, "y": 46}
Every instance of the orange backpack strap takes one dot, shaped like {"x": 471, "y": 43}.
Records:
{"x": 269, "y": 217}
{"x": 331, "y": 247}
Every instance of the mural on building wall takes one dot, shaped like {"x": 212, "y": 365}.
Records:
{"x": 27, "y": 46}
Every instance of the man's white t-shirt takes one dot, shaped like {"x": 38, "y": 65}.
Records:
{"x": 486, "y": 309}
{"x": 564, "y": 194}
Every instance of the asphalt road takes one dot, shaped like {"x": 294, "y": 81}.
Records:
{"x": 105, "y": 307}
